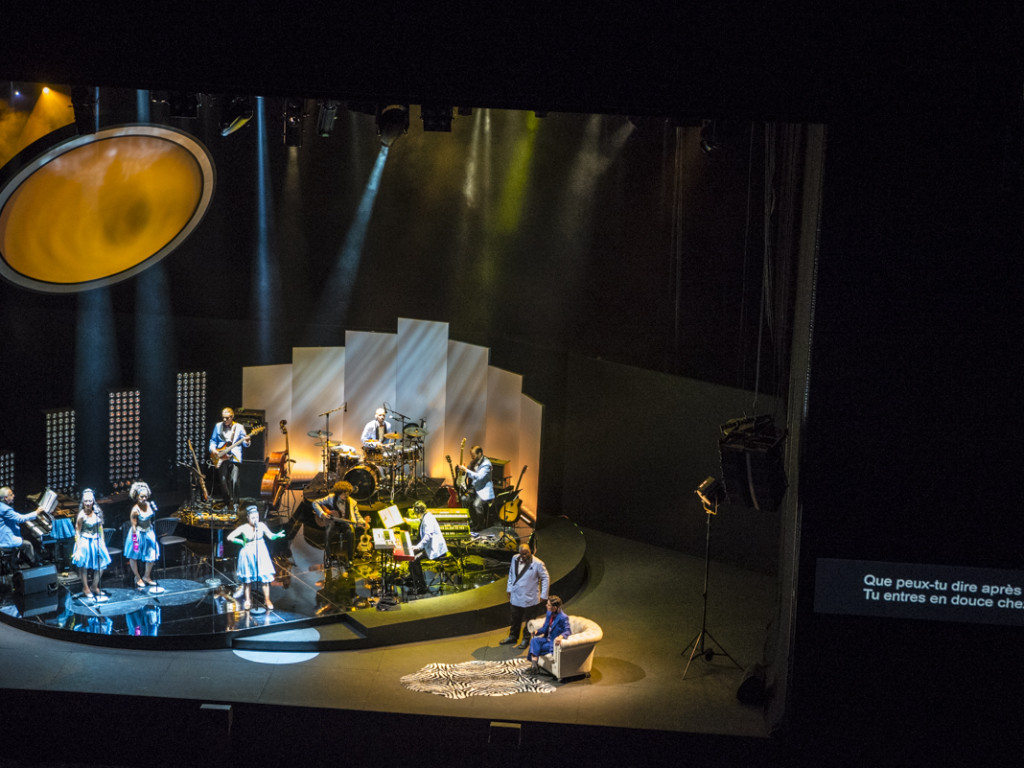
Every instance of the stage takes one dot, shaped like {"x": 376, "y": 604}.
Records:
{"x": 198, "y": 604}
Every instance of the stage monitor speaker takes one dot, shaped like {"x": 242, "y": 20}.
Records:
{"x": 250, "y": 478}
{"x": 42, "y": 578}
{"x": 753, "y": 470}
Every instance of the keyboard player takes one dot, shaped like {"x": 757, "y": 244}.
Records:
{"x": 430, "y": 546}
{"x": 10, "y": 527}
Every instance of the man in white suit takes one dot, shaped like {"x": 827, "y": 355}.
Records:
{"x": 527, "y": 591}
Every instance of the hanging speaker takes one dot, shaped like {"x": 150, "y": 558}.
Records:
{"x": 752, "y": 467}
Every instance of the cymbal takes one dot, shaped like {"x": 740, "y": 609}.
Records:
{"x": 319, "y": 433}
{"x": 328, "y": 443}
{"x": 415, "y": 432}
{"x": 392, "y": 436}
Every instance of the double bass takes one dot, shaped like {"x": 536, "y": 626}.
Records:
{"x": 276, "y": 479}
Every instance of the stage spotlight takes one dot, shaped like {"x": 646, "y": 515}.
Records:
{"x": 236, "y": 116}
{"x": 292, "y": 127}
{"x": 392, "y": 122}
{"x": 326, "y": 115}
{"x": 711, "y": 493}
{"x": 709, "y": 137}
{"x": 85, "y": 103}
{"x": 183, "y": 104}
{"x": 436, "y": 118}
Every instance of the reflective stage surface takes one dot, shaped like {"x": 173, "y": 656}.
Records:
{"x": 198, "y": 602}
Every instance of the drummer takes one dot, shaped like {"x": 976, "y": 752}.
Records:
{"x": 377, "y": 429}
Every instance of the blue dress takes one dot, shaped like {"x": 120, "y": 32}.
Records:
{"x": 142, "y": 544}
{"x": 254, "y": 563}
{"x": 90, "y": 549}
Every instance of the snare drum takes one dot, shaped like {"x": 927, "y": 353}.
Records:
{"x": 373, "y": 451}
{"x": 365, "y": 479}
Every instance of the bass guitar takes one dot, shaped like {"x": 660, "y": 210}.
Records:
{"x": 513, "y": 505}
{"x": 218, "y": 455}
{"x": 276, "y": 480}
{"x": 461, "y": 481}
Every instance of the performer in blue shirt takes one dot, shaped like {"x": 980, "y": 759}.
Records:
{"x": 226, "y": 454}
{"x": 10, "y": 527}
{"x": 478, "y": 477}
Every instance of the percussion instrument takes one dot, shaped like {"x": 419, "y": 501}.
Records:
{"x": 373, "y": 451}
{"x": 365, "y": 479}
{"x": 343, "y": 458}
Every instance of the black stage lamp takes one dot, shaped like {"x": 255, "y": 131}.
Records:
{"x": 392, "y": 122}
{"x": 711, "y": 493}
{"x": 436, "y": 118}
{"x": 326, "y": 115}
{"x": 293, "y": 115}
{"x": 237, "y": 115}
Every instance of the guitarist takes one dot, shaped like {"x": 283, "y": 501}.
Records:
{"x": 228, "y": 432}
{"x": 478, "y": 478}
{"x": 339, "y": 511}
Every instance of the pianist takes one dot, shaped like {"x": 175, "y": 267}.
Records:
{"x": 10, "y": 527}
{"x": 431, "y": 545}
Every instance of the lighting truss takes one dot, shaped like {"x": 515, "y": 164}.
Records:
{"x": 61, "y": 472}
{"x": 123, "y": 422}
{"x": 191, "y": 415}
{"x": 7, "y": 468}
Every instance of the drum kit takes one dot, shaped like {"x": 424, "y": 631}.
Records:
{"x": 381, "y": 468}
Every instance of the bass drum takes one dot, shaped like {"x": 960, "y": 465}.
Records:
{"x": 365, "y": 479}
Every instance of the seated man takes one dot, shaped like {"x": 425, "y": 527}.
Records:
{"x": 10, "y": 527}
{"x": 551, "y": 633}
{"x": 339, "y": 512}
{"x": 431, "y": 545}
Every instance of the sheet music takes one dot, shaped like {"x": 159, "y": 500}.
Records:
{"x": 48, "y": 501}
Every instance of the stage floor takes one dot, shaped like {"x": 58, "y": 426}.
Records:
{"x": 199, "y": 604}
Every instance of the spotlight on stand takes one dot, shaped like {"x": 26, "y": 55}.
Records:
{"x": 711, "y": 493}
{"x": 392, "y": 122}
{"x": 709, "y": 141}
{"x": 436, "y": 118}
{"x": 327, "y": 113}
{"x": 237, "y": 115}
{"x": 293, "y": 115}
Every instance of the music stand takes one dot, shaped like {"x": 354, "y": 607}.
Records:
{"x": 711, "y": 493}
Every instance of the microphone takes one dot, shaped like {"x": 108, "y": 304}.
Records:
{"x": 345, "y": 406}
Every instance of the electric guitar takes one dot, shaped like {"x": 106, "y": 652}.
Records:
{"x": 510, "y": 509}
{"x": 453, "y": 494}
{"x": 218, "y": 455}
{"x": 461, "y": 481}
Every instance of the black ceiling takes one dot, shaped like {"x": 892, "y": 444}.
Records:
{"x": 736, "y": 59}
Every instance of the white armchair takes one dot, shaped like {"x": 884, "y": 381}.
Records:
{"x": 574, "y": 656}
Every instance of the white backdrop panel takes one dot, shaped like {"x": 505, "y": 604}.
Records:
{"x": 370, "y": 375}
{"x": 269, "y": 388}
{"x": 420, "y": 387}
{"x": 318, "y": 385}
{"x": 466, "y": 398}
{"x": 531, "y": 414}
{"x": 503, "y": 407}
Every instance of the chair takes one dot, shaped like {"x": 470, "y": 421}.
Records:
{"x": 164, "y": 528}
{"x": 574, "y": 656}
{"x": 114, "y": 552}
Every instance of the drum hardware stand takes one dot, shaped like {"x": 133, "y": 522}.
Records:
{"x": 711, "y": 492}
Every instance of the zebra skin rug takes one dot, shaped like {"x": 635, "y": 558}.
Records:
{"x": 477, "y": 678}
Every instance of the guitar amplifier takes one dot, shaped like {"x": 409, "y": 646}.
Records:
{"x": 42, "y": 578}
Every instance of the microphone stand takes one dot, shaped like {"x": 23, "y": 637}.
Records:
{"x": 214, "y": 580}
{"x": 326, "y": 452}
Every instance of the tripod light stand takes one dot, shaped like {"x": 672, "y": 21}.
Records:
{"x": 711, "y": 493}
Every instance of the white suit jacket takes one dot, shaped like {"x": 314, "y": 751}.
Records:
{"x": 531, "y": 587}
